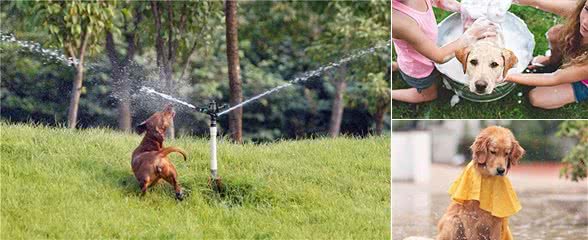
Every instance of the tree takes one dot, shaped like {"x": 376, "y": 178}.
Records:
{"x": 575, "y": 161}
{"x": 338, "y": 102}
{"x": 179, "y": 30}
{"x": 372, "y": 91}
{"x": 352, "y": 25}
{"x": 121, "y": 62}
{"x": 77, "y": 27}
{"x": 232, "y": 24}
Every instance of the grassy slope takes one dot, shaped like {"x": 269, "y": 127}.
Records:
{"x": 508, "y": 107}
{"x": 58, "y": 183}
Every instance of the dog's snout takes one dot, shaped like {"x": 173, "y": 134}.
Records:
{"x": 500, "y": 171}
{"x": 481, "y": 86}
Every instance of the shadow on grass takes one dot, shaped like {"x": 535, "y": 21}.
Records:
{"x": 125, "y": 181}
{"x": 238, "y": 193}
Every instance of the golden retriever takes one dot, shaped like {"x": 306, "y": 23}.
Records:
{"x": 494, "y": 151}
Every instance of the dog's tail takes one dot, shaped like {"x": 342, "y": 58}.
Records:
{"x": 165, "y": 151}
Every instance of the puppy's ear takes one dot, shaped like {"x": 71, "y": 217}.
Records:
{"x": 141, "y": 128}
{"x": 510, "y": 59}
{"x": 462, "y": 57}
{"x": 480, "y": 149}
{"x": 516, "y": 153}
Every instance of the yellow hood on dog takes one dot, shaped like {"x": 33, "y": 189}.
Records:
{"x": 495, "y": 194}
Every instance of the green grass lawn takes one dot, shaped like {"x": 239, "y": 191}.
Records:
{"x": 511, "y": 106}
{"x": 78, "y": 184}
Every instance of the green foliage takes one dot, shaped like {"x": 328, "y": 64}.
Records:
{"x": 72, "y": 24}
{"x": 276, "y": 41}
{"x": 575, "y": 161}
{"x": 356, "y": 25}
{"x": 192, "y": 25}
{"x": 78, "y": 184}
{"x": 537, "y": 138}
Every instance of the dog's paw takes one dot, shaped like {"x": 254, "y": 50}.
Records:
{"x": 180, "y": 196}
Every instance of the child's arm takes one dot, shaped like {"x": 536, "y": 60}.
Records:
{"x": 394, "y": 66}
{"x": 406, "y": 29}
{"x": 561, "y": 7}
{"x": 567, "y": 75}
{"x": 448, "y": 5}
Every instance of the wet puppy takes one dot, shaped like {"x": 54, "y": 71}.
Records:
{"x": 150, "y": 162}
{"x": 486, "y": 63}
{"x": 495, "y": 151}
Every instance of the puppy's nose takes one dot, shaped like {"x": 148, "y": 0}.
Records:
{"x": 481, "y": 86}
{"x": 500, "y": 171}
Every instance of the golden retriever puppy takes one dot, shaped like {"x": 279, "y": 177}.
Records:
{"x": 482, "y": 187}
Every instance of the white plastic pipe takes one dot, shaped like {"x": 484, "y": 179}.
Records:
{"x": 213, "y": 163}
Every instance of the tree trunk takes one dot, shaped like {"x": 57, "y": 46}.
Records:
{"x": 379, "y": 117}
{"x": 124, "y": 115}
{"x": 120, "y": 78}
{"x": 124, "y": 103}
{"x": 76, "y": 89}
{"x": 74, "y": 101}
{"x": 165, "y": 56}
{"x": 338, "y": 104}
{"x": 235, "y": 117}
{"x": 171, "y": 130}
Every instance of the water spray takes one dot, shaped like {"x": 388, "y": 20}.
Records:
{"x": 214, "y": 181}
{"x": 214, "y": 110}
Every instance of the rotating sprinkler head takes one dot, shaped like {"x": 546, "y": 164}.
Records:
{"x": 214, "y": 180}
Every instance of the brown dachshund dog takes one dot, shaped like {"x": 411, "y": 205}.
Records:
{"x": 150, "y": 162}
{"x": 494, "y": 151}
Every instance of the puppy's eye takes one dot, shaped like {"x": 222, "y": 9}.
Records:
{"x": 493, "y": 152}
{"x": 474, "y": 62}
{"x": 506, "y": 154}
{"x": 493, "y": 64}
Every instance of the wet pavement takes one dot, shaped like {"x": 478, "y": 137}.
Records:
{"x": 553, "y": 208}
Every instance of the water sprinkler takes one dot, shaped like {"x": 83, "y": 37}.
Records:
{"x": 212, "y": 110}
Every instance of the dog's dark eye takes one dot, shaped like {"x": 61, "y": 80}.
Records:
{"x": 493, "y": 152}
{"x": 474, "y": 62}
{"x": 493, "y": 64}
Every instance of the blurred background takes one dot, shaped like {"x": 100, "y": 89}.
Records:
{"x": 427, "y": 156}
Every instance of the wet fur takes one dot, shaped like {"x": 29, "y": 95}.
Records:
{"x": 486, "y": 51}
{"x": 493, "y": 148}
{"x": 149, "y": 160}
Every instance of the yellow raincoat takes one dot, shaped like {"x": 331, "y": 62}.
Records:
{"x": 494, "y": 193}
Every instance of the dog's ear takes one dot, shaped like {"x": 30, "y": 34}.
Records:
{"x": 510, "y": 60}
{"x": 462, "y": 57}
{"x": 141, "y": 128}
{"x": 480, "y": 149}
{"x": 516, "y": 153}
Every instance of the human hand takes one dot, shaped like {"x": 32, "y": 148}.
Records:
{"x": 449, "y": 5}
{"x": 481, "y": 28}
{"x": 538, "y": 61}
{"x": 394, "y": 66}
{"x": 523, "y": 2}
{"x": 502, "y": 78}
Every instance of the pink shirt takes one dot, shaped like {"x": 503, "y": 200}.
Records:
{"x": 585, "y": 82}
{"x": 409, "y": 60}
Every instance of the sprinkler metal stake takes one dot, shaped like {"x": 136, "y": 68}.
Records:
{"x": 212, "y": 110}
